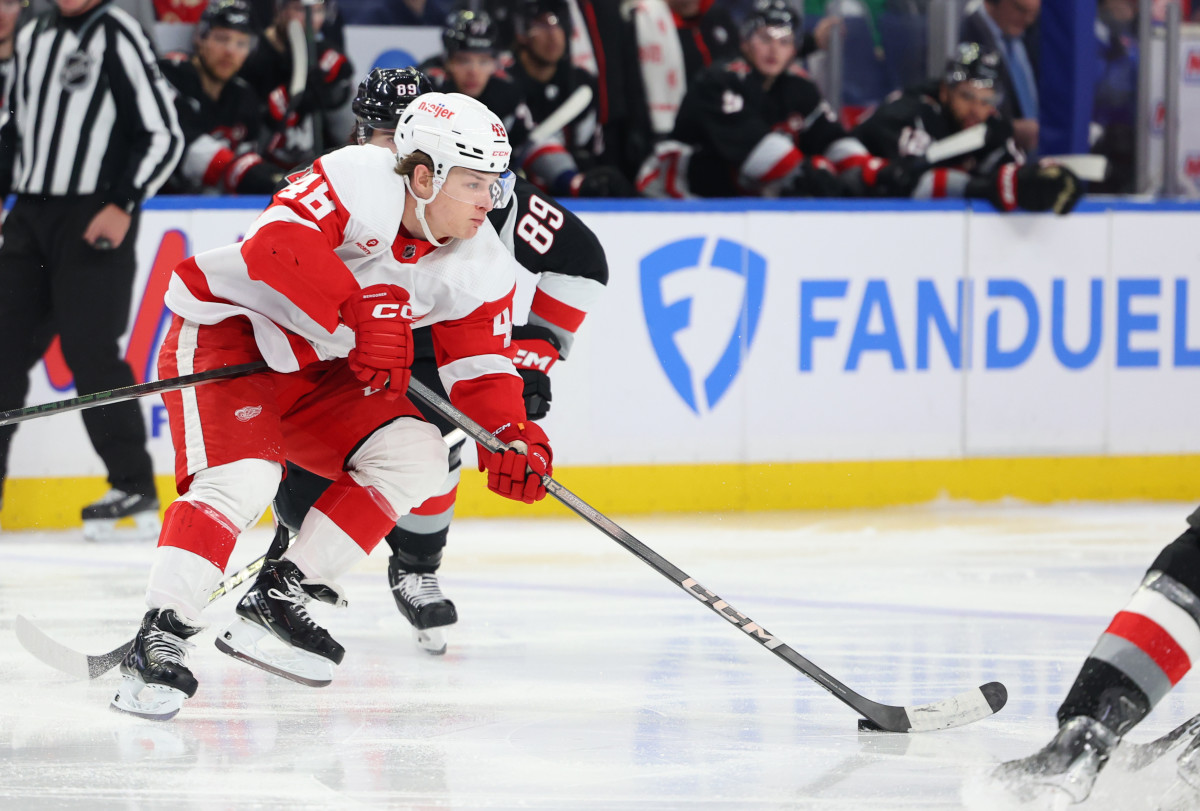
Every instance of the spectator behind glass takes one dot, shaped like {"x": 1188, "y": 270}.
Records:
{"x": 299, "y": 129}
{"x": 754, "y": 126}
{"x": 262, "y": 16}
{"x": 547, "y": 78}
{"x": 469, "y": 65}
{"x": 394, "y": 12}
{"x": 1115, "y": 108}
{"x": 1007, "y": 27}
{"x": 901, "y": 130}
{"x": 218, "y": 112}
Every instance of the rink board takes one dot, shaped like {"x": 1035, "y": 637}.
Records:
{"x": 795, "y": 354}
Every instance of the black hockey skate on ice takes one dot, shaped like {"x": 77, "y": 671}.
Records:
{"x": 100, "y": 518}
{"x": 420, "y": 600}
{"x": 155, "y": 678}
{"x": 1069, "y": 763}
{"x": 275, "y": 632}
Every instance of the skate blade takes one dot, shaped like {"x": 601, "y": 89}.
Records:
{"x": 155, "y": 702}
{"x": 430, "y": 640}
{"x": 255, "y": 645}
{"x": 141, "y": 527}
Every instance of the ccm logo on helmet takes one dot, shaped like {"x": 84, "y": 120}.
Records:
{"x": 439, "y": 110}
{"x": 392, "y": 310}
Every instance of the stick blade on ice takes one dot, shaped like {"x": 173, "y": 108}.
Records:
{"x": 64, "y": 659}
{"x": 956, "y": 711}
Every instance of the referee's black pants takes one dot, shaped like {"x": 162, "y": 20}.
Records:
{"x": 52, "y": 282}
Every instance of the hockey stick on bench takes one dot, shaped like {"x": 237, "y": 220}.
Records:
{"x": 102, "y": 398}
{"x": 85, "y": 666}
{"x": 972, "y": 705}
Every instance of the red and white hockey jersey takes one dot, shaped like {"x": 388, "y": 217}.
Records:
{"x": 338, "y": 228}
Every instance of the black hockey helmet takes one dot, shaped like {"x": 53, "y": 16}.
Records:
{"x": 469, "y": 31}
{"x": 233, "y": 14}
{"x": 382, "y": 97}
{"x": 972, "y": 63}
{"x": 526, "y": 11}
{"x": 772, "y": 14}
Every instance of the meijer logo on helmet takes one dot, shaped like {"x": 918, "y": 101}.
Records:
{"x": 439, "y": 110}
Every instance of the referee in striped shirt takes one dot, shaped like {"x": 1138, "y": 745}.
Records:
{"x": 91, "y": 134}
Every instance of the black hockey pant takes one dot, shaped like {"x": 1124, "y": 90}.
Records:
{"x": 52, "y": 282}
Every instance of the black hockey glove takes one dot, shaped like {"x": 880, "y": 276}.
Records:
{"x": 814, "y": 179}
{"x": 899, "y": 176}
{"x": 602, "y": 181}
{"x": 1042, "y": 186}
{"x": 999, "y": 131}
{"x": 537, "y": 351}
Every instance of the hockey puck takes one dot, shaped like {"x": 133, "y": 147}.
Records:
{"x": 867, "y": 725}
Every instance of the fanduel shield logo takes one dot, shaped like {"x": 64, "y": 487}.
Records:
{"x": 702, "y": 297}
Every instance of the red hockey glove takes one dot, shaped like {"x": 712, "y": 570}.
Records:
{"x": 383, "y": 344}
{"x": 517, "y": 473}
{"x": 537, "y": 351}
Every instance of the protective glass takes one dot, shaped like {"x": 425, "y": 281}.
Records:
{"x": 481, "y": 189}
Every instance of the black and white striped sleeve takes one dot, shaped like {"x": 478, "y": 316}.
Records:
{"x": 145, "y": 100}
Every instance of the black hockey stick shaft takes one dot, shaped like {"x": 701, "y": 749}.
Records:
{"x": 962, "y": 709}
{"x": 102, "y": 398}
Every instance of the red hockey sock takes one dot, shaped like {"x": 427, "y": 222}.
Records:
{"x": 200, "y": 529}
{"x": 358, "y": 511}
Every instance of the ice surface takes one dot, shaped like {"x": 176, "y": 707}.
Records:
{"x": 578, "y": 678}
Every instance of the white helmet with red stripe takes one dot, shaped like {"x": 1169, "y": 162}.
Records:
{"x": 453, "y": 130}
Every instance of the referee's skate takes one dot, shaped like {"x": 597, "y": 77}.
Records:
{"x": 117, "y": 514}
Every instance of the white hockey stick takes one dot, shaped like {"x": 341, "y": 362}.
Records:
{"x": 1085, "y": 166}
{"x": 960, "y": 143}
{"x": 298, "y": 45}
{"x": 563, "y": 115}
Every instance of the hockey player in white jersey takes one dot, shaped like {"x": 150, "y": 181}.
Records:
{"x": 326, "y": 288}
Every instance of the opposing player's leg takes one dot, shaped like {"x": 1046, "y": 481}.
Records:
{"x": 417, "y": 542}
{"x": 381, "y": 465}
{"x": 1146, "y": 649}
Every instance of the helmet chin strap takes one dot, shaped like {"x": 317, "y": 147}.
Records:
{"x": 421, "y": 203}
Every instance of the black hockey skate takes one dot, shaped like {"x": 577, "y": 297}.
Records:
{"x": 273, "y": 612}
{"x": 420, "y": 600}
{"x": 1069, "y": 763}
{"x": 100, "y": 518}
{"x": 155, "y": 678}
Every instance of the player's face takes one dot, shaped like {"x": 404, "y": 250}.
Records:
{"x": 770, "y": 50}
{"x": 384, "y": 138}
{"x": 471, "y": 71}
{"x": 462, "y": 204}
{"x": 223, "y": 52}
{"x": 10, "y": 10}
{"x": 546, "y": 39}
{"x": 970, "y": 104}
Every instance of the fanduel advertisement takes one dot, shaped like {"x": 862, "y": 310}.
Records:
{"x": 768, "y": 335}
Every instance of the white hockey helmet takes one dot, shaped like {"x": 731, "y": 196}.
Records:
{"x": 453, "y": 130}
